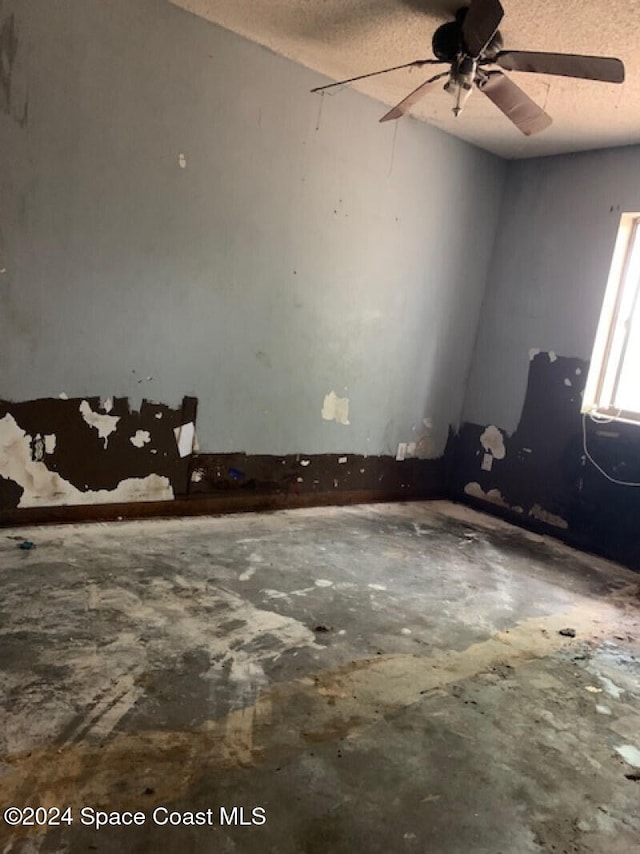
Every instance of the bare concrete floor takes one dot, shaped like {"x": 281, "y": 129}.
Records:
{"x": 385, "y": 678}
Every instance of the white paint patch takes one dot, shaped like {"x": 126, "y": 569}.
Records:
{"x": 493, "y": 496}
{"x": 335, "y": 408}
{"x": 63, "y": 395}
{"x": 377, "y": 586}
{"x": 401, "y": 453}
{"x": 49, "y": 443}
{"x": 44, "y": 488}
{"x": 603, "y": 710}
{"x": 107, "y": 405}
{"x": 300, "y": 479}
{"x": 405, "y": 631}
{"x": 104, "y": 424}
{"x": 493, "y": 442}
{"x": 567, "y": 381}
{"x": 342, "y": 459}
{"x": 533, "y": 352}
{"x": 550, "y": 518}
{"x": 247, "y": 574}
{"x": 630, "y": 754}
{"x": 182, "y": 161}
{"x": 593, "y": 690}
{"x": 197, "y": 475}
{"x": 305, "y": 463}
{"x": 158, "y": 414}
{"x": 552, "y": 356}
{"x": 323, "y": 582}
{"x": 185, "y": 436}
{"x": 140, "y": 438}
{"x": 487, "y": 462}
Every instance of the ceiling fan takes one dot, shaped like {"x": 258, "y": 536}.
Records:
{"x": 472, "y": 42}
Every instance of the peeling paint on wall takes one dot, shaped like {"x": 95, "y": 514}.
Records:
{"x": 546, "y": 480}
{"x": 140, "y": 438}
{"x": 104, "y": 424}
{"x": 185, "y": 438}
{"x": 493, "y": 496}
{"x": 73, "y": 463}
{"x": 44, "y": 488}
{"x": 425, "y": 446}
{"x": 550, "y": 518}
{"x": 335, "y": 408}
{"x": 493, "y": 442}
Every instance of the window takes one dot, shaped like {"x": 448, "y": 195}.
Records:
{"x": 613, "y": 384}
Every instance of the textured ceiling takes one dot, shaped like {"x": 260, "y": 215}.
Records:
{"x": 344, "y": 38}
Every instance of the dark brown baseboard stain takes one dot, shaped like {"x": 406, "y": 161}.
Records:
{"x": 242, "y": 483}
{"x": 309, "y": 474}
{"x": 196, "y": 506}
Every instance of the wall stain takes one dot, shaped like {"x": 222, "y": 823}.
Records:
{"x": 8, "y": 53}
{"x": 545, "y": 482}
{"x": 51, "y": 455}
{"x": 8, "y": 56}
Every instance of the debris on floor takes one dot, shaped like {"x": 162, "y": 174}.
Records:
{"x": 26, "y": 545}
{"x": 178, "y": 664}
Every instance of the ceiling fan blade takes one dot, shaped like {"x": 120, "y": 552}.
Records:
{"x": 406, "y": 104}
{"x": 517, "y": 106}
{"x": 480, "y": 24}
{"x": 605, "y": 68}
{"x": 417, "y": 63}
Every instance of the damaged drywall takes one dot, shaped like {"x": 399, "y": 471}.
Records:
{"x": 323, "y": 475}
{"x": 56, "y": 451}
{"x": 42, "y": 487}
{"x": 544, "y": 479}
{"x": 493, "y": 443}
{"x": 104, "y": 424}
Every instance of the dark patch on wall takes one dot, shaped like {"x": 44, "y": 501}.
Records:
{"x": 8, "y": 51}
{"x": 83, "y": 458}
{"x": 300, "y": 474}
{"x": 10, "y": 493}
{"x": 545, "y": 481}
{"x": 235, "y": 483}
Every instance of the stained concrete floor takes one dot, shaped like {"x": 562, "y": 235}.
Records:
{"x": 384, "y": 678}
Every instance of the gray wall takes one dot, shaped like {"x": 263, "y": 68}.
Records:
{"x": 303, "y": 249}
{"x": 557, "y": 231}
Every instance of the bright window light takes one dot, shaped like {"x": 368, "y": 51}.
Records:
{"x": 613, "y": 384}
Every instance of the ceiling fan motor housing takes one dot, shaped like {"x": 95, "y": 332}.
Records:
{"x": 448, "y": 41}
